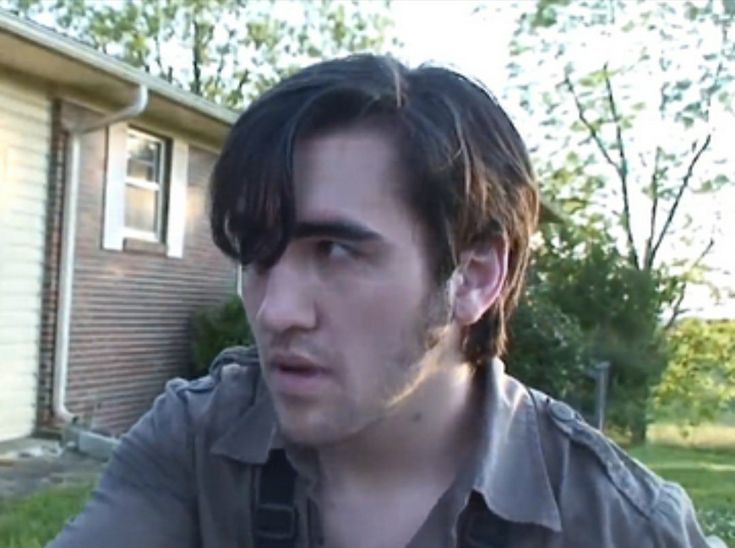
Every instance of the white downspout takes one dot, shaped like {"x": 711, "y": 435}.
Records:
{"x": 68, "y": 242}
{"x": 238, "y": 281}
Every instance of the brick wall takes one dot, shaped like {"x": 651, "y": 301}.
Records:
{"x": 130, "y": 329}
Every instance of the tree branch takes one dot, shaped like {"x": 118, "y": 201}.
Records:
{"x": 655, "y": 175}
{"x": 680, "y": 193}
{"x": 611, "y": 8}
{"x": 677, "y": 309}
{"x": 244, "y": 77}
{"x": 196, "y": 59}
{"x": 159, "y": 58}
{"x": 648, "y": 256}
{"x": 590, "y": 127}
{"x": 622, "y": 168}
{"x": 225, "y": 52}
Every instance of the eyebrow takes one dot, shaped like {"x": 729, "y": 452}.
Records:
{"x": 338, "y": 230}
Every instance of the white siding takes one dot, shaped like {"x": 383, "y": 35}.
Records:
{"x": 24, "y": 148}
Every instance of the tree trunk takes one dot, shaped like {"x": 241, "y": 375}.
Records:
{"x": 638, "y": 430}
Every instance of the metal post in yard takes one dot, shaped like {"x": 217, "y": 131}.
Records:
{"x": 602, "y": 374}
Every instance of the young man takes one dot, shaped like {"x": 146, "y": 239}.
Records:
{"x": 382, "y": 217}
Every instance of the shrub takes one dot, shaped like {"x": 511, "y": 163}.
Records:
{"x": 214, "y": 329}
{"x": 548, "y": 349}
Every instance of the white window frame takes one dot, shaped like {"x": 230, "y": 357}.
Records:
{"x": 175, "y": 201}
{"x": 161, "y": 187}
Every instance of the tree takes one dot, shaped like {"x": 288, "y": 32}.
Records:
{"x": 586, "y": 304}
{"x": 618, "y": 307}
{"x": 225, "y": 50}
{"x": 699, "y": 383}
{"x": 628, "y": 97}
{"x": 547, "y": 347}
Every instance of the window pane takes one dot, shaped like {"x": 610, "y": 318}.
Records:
{"x": 140, "y": 208}
{"x": 143, "y": 157}
{"x": 141, "y": 170}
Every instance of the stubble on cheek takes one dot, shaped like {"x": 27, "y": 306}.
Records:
{"x": 437, "y": 316}
{"x": 406, "y": 366}
{"x": 349, "y": 408}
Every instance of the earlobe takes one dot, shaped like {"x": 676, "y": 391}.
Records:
{"x": 478, "y": 281}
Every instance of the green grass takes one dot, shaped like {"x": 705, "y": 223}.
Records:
{"x": 31, "y": 521}
{"x": 708, "y": 475}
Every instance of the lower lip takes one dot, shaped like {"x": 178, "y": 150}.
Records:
{"x": 302, "y": 382}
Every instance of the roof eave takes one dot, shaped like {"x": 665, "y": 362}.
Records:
{"x": 52, "y": 47}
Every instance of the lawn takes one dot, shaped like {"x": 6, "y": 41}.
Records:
{"x": 707, "y": 474}
{"x": 30, "y": 522}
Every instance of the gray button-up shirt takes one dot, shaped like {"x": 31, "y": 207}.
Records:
{"x": 183, "y": 475}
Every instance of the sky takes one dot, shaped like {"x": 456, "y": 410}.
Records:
{"x": 449, "y": 33}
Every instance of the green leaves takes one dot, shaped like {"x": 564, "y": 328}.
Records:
{"x": 638, "y": 91}
{"x": 714, "y": 184}
{"x": 548, "y": 349}
{"x": 226, "y": 50}
{"x": 593, "y": 79}
{"x": 546, "y": 12}
{"x": 216, "y": 328}
{"x": 634, "y": 85}
{"x": 699, "y": 382}
{"x": 586, "y": 303}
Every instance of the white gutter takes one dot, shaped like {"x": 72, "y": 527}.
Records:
{"x": 68, "y": 243}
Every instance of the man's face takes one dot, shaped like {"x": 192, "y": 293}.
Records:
{"x": 341, "y": 319}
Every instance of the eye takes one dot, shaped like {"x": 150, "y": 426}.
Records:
{"x": 329, "y": 249}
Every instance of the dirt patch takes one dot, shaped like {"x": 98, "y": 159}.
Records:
{"x": 29, "y": 465}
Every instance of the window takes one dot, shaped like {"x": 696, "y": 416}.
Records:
{"x": 146, "y": 179}
{"x": 145, "y": 186}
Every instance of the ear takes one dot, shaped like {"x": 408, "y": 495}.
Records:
{"x": 478, "y": 280}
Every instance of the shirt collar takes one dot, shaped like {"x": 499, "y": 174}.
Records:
{"x": 252, "y": 434}
{"x": 512, "y": 475}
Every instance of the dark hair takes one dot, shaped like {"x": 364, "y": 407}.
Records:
{"x": 470, "y": 176}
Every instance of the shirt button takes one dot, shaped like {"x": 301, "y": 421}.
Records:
{"x": 562, "y": 411}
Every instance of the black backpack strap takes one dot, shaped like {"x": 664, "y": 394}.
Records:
{"x": 481, "y": 528}
{"x": 276, "y": 519}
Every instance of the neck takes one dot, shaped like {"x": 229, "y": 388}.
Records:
{"x": 426, "y": 437}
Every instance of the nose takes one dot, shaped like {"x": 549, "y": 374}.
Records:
{"x": 287, "y": 302}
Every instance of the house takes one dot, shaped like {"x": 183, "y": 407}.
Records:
{"x": 105, "y": 247}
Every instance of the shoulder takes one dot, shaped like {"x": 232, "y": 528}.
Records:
{"x": 595, "y": 475}
{"x": 230, "y": 386}
{"x": 598, "y": 460}
{"x": 162, "y": 449}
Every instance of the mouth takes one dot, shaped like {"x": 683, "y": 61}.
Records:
{"x": 297, "y": 376}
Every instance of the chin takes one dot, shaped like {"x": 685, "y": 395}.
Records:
{"x": 306, "y": 436}
{"x": 307, "y": 431}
